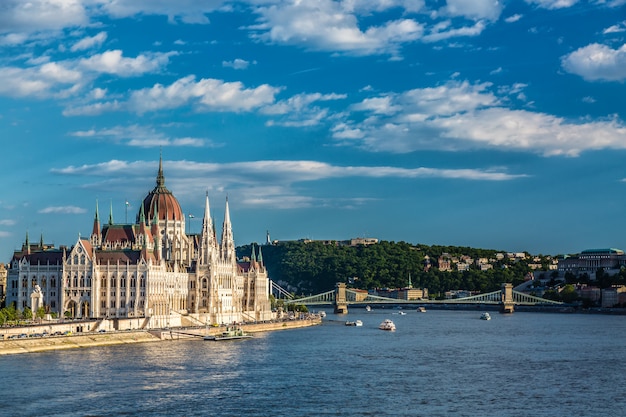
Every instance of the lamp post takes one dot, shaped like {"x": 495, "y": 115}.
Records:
{"x": 191, "y": 216}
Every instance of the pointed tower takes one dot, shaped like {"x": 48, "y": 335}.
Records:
{"x": 111, "y": 214}
{"x": 27, "y": 244}
{"x": 96, "y": 233}
{"x": 143, "y": 228}
{"x": 228, "y": 243}
{"x": 154, "y": 229}
{"x": 208, "y": 245}
{"x": 41, "y": 241}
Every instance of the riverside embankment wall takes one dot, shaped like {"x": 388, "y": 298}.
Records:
{"x": 84, "y": 340}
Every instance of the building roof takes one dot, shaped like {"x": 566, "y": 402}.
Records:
{"x": 121, "y": 256}
{"x": 604, "y": 251}
{"x": 160, "y": 201}
{"x": 52, "y": 257}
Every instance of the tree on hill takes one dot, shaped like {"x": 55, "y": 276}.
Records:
{"x": 315, "y": 267}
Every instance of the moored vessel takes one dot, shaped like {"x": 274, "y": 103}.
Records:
{"x": 231, "y": 333}
{"x": 387, "y": 325}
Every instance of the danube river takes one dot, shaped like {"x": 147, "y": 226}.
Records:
{"x": 438, "y": 363}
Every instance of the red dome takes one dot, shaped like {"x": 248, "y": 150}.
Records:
{"x": 161, "y": 201}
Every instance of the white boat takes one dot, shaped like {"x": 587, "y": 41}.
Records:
{"x": 322, "y": 314}
{"x": 231, "y": 333}
{"x": 368, "y": 308}
{"x": 400, "y": 313}
{"x": 421, "y": 309}
{"x": 387, "y": 325}
{"x": 357, "y": 323}
{"x": 485, "y": 316}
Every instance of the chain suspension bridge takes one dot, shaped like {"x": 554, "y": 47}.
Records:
{"x": 341, "y": 297}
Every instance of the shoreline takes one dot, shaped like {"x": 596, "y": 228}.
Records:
{"x": 86, "y": 340}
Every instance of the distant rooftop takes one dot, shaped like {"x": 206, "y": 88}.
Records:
{"x": 606, "y": 251}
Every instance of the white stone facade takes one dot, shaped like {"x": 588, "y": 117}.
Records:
{"x": 151, "y": 270}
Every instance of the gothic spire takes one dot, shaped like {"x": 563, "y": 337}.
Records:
{"x": 228, "y": 243}
{"x": 95, "y": 231}
{"x": 111, "y": 214}
{"x": 160, "y": 180}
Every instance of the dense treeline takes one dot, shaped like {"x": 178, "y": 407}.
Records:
{"x": 314, "y": 267}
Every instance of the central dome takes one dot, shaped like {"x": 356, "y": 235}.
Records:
{"x": 161, "y": 201}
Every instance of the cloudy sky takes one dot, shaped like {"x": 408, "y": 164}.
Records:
{"x": 483, "y": 123}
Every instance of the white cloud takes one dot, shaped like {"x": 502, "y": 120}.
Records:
{"x": 7, "y": 222}
{"x": 62, "y": 210}
{"x": 513, "y": 18}
{"x": 278, "y": 172}
{"x": 236, "y": 64}
{"x": 597, "y": 62}
{"x": 377, "y": 105}
{"x": 24, "y": 17}
{"x": 299, "y": 111}
{"x": 185, "y": 11}
{"x": 368, "y": 6}
{"x": 325, "y": 25}
{"x": 89, "y": 42}
{"x": 299, "y": 103}
{"x": 474, "y": 9}
{"x": 141, "y": 136}
{"x": 620, "y": 27}
{"x": 553, "y": 4}
{"x": 443, "y": 31}
{"x": 47, "y": 80}
{"x": 462, "y": 116}
{"x": 112, "y": 62}
{"x": 207, "y": 94}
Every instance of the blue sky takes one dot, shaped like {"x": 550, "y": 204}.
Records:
{"x": 463, "y": 122}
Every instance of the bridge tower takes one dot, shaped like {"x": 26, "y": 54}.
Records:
{"x": 341, "y": 305}
{"x": 507, "y": 305}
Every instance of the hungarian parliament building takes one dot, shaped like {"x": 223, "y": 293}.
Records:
{"x": 150, "y": 272}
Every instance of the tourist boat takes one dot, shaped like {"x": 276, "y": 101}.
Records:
{"x": 231, "y": 333}
{"x": 387, "y": 325}
{"x": 357, "y": 323}
{"x": 485, "y": 316}
{"x": 421, "y": 309}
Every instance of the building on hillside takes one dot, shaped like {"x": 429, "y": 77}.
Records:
{"x": 590, "y": 260}
{"x": 613, "y": 296}
{"x": 406, "y": 293}
{"x": 150, "y": 270}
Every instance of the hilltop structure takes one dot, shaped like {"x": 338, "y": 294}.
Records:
{"x": 150, "y": 270}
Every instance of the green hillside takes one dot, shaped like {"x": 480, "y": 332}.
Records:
{"x": 314, "y": 267}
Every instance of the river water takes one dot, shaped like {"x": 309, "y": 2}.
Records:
{"x": 438, "y": 363}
